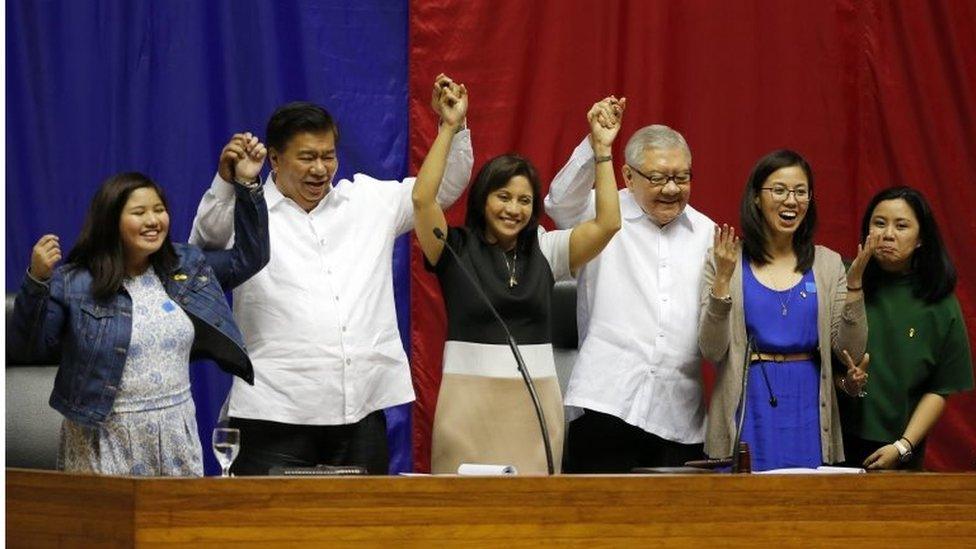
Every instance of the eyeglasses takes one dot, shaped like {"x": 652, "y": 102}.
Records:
{"x": 660, "y": 179}
{"x": 780, "y": 194}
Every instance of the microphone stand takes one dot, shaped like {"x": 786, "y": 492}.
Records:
{"x": 737, "y": 450}
{"x": 515, "y": 351}
{"x": 740, "y": 450}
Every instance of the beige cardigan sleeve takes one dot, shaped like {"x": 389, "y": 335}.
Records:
{"x": 714, "y": 325}
{"x": 848, "y": 322}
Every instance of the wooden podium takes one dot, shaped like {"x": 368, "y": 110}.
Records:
{"x": 893, "y": 510}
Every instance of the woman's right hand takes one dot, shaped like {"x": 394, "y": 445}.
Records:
{"x": 725, "y": 252}
{"x": 856, "y": 377}
{"x": 45, "y": 255}
{"x": 454, "y": 105}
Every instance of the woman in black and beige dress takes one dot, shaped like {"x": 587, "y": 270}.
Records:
{"x": 484, "y": 413}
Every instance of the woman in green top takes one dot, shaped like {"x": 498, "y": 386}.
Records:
{"x": 917, "y": 338}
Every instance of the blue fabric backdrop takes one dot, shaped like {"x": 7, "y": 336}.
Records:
{"x": 96, "y": 87}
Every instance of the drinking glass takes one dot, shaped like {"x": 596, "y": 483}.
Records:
{"x": 226, "y": 445}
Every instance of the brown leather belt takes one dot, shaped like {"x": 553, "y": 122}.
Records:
{"x": 780, "y": 357}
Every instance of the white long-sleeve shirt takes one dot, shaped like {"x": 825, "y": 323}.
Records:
{"x": 319, "y": 320}
{"x": 637, "y": 311}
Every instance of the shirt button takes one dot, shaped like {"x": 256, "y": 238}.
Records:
{"x": 348, "y": 361}
{"x": 328, "y": 271}
{"x": 336, "y": 297}
{"x": 823, "y": 404}
{"x": 343, "y": 328}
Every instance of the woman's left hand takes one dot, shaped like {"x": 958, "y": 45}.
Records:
{"x": 605, "y": 119}
{"x": 886, "y": 457}
{"x": 864, "y": 253}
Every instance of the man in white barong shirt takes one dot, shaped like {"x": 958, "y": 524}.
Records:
{"x": 319, "y": 321}
{"x": 636, "y": 390}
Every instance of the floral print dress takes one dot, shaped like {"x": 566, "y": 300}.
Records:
{"x": 152, "y": 430}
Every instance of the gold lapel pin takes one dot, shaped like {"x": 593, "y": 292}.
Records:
{"x": 179, "y": 276}
{"x": 911, "y": 332}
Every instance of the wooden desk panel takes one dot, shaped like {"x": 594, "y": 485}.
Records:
{"x": 810, "y": 510}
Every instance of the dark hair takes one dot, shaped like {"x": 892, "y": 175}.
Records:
{"x": 937, "y": 278}
{"x": 495, "y": 174}
{"x": 754, "y": 229}
{"x": 298, "y": 117}
{"x": 99, "y": 247}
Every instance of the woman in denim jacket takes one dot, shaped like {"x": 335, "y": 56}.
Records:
{"x": 128, "y": 311}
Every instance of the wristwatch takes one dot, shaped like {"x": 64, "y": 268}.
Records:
{"x": 249, "y": 185}
{"x": 905, "y": 453}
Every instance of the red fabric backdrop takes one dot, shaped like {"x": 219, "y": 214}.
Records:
{"x": 872, "y": 92}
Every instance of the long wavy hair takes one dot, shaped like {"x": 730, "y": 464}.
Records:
{"x": 99, "y": 248}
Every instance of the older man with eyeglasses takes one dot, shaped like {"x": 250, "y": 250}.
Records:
{"x": 636, "y": 390}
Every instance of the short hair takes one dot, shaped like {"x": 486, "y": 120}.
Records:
{"x": 495, "y": 174}
{"x": 937, "y": 277}
{"x": 99, "y": 249}
{"x": 754, "y": 228}
{"x": 656, "y": 136}
{"x": 298, "y": 117}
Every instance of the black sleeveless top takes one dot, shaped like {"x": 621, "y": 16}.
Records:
{"x": 525, "y": 307}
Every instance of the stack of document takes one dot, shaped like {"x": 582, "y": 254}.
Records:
{"x": 822, "y": 470}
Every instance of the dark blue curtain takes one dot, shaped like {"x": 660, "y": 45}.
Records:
{"x": 96, "y": 87}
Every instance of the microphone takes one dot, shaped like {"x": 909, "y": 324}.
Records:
{"x": 769, "y": 388}
{"x": 439, "y": 234}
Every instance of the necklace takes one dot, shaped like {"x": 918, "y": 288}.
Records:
{"x": 512, "y": 280}
{"x": 785, "y": 304}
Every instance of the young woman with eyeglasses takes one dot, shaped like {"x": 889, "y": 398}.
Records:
{"x": 782, "y": 304}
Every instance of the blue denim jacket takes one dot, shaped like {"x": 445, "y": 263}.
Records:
{"x": 62, "y": 318}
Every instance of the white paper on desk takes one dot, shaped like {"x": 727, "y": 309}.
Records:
{"x": 486, "y": 469}
{"x": 822, "y": 470}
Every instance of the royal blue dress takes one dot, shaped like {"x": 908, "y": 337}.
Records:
{"x": 787, "y": 435}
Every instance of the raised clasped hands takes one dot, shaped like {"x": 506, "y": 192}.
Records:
{"x": 242, "y": 158}
{"x": 857, "y": 375}
{"x": 864, "y": 253}
{"x": 605, "y": 118}
{"x": 450, "y": 101}
{"x": 44, "y": 256}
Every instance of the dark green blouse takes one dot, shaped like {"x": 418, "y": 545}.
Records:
{"x": 916, "y": 348}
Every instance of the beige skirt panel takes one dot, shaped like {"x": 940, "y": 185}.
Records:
{"x": 491, "y": 420}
